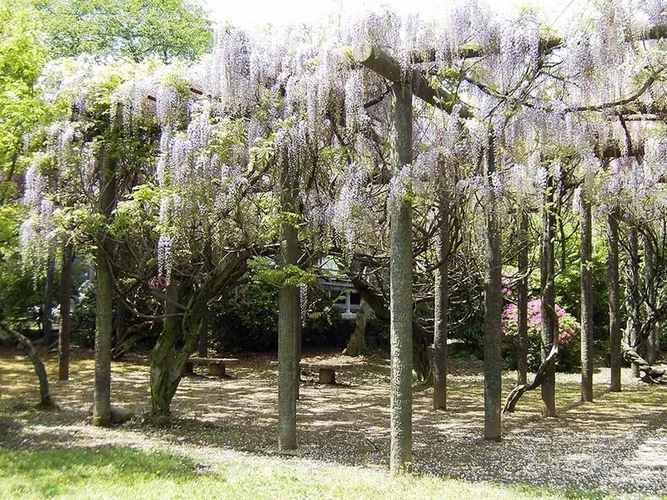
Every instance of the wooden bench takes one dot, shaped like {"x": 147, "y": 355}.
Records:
{"x": 216, "y": 366}
{"x": 327, "y": 373}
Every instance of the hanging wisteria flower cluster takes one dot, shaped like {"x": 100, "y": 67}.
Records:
{"x": 300, "y": 97}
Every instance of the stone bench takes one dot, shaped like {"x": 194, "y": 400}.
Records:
{"x": 216, "y": 366}
{"x": 327, "y": 373}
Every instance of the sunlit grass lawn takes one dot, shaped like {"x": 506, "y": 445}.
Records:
{"x": 123, "y": 473}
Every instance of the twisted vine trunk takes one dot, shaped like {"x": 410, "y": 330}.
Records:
{"x": 21, "y": 342}
{"x": 185, "y": 312}
{"x": 651, "y": 373}
{"x": 541, "y": 375}
{"x": 171, "y": 351}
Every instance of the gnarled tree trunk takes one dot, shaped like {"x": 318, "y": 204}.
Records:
{"x": 172, "y": 350}
{"x": 356, "y": 346}
{"x": 22, "y": 343}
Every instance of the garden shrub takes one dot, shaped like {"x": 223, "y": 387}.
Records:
{"x": 568, "y": 337}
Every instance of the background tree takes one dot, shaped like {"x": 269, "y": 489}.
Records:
{"x": 136, "y": 29}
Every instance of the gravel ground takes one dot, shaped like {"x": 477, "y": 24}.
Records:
{"x": 617, "y": 445}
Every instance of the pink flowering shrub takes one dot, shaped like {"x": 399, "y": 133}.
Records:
{"x": 568, "y": 333}
{"x": 568, "y": 327}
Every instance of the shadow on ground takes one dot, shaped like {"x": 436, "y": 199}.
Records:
{"x": 616, "y": 445}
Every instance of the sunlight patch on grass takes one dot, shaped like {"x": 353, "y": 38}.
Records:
{"x": 123, "y": 473}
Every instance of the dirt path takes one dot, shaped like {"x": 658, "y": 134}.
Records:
{"x": 617, "y": 445}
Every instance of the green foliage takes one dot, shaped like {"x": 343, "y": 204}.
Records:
{"x": 246, "y": 319}
{"x": 267, "y": 271}
{"x": 20, "y": 286}
{"x": 135, "y": 29}
{"x": 568, "y": 284}
{"x": 137, "y": 213}
{"x": 569, "y": 357}
{"x": 83, "y": 316}
{"x": 21, "y": 60}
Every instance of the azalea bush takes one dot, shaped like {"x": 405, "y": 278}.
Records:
{"x": 568, "y": 336}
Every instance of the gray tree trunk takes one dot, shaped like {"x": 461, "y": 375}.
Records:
{"x": 547, "y": 275}
{"x": 356, "y": 346}
{"x": 401, "y": 294}
{"x": 289, "y": 317}
{"x": 121, "y": 326}
{"x": 47, "y": 323}
{"x": 104, "y": 296}
{"x": 493, "y": 301}
{"x": 653, "y": 341}
{"x": 633, "y": 294}
{"x": 522, "y": 302}
{"x": 65, "y": 313}
{"x": 586, "y": 256}
{"x": 614, "y": 303}
{"x": 202, "y": 343}
{"x": 441, "y": 311}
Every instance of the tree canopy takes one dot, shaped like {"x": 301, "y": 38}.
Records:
{"x": 134, "y": 29}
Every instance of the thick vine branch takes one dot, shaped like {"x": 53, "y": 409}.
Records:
{"x": 651, "y": 373}
{"x": 542, "y": 372}
{"x": 625, "y": 101}
{"x": 516, "y": 393}
{"x": 379, "y": 61}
